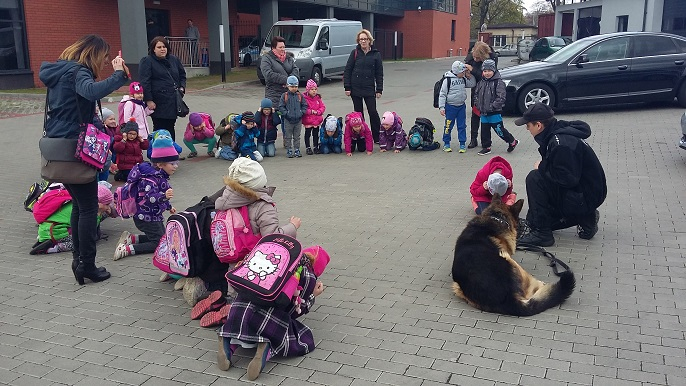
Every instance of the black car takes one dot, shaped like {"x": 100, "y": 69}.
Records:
{"x": 622, "y": 67}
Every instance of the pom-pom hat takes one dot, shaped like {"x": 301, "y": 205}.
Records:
{"x": 163, "y": 149}
{"x": 248, "y": 117}
{"x": 131, "y": 125}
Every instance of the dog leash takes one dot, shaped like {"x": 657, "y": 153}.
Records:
{"x": 554, "y": 261}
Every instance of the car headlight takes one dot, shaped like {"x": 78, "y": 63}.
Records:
{"x": 304, "y": 54}
{"x": 507, "y": 82}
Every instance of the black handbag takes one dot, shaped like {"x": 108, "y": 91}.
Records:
{"x": 181, "y": 107}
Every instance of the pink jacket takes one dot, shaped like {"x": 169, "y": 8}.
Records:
{"x": 139, "y": 113}
{"x": 351, "y": 135}
{"x": 479, "y": 194}
{"x": 207, "y": 132}
{"x": 315, "y": 110}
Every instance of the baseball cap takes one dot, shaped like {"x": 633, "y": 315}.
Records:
{"x": 536, "y": 112}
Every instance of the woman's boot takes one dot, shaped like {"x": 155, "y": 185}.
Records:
{"x": 86, "y": 269}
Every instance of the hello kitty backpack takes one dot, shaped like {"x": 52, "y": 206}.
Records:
{"x": 266, "y": 270}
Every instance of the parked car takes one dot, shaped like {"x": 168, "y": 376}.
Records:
{"x": 507, "y": 50}
{"x": 248, "y": 54}
{"x": 546, "y": 46}
{"x": 621, "y": 67}
{"x": 682, "y": 142}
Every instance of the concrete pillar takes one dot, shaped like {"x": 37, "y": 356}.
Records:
{"x": 134, "y": 37}
{"x": 218, "y": 14}
{"x": 367, "y": 20}
{"x": 329, "y": 13}
{"x": 575, "y": 26}
{"x": 557, "y": 28}
{"x": 269, "y": 14}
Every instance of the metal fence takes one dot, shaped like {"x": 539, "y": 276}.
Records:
{"x": 191, "y": 52}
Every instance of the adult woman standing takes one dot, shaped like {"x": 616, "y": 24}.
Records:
{"x": 276, "y": 66}
{"x": 475, "y": 58}
{"x": 363, "y": 79}
{"x": 160, "y": 73}
{"x": 72, "y": 92}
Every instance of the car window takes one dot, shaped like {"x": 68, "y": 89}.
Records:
{"x": 681, "y": 44}
{"x": 608, "y": 50}
{"x": 653, "y": 45}
{"x": 557, "y": 42}
{"x": 324, "y": 34}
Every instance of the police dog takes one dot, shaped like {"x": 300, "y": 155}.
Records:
{"x": 486, "y": 276}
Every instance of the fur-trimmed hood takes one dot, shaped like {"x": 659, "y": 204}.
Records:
{"x": 236, "y": 195}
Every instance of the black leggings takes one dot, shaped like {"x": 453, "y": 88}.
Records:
{"x": 314, "y": 132}
{"x": 360, "y": 144}
{"x": 84, "y": 219}
{"x": 374, "y": 120}
{"x": 167, "y": 124}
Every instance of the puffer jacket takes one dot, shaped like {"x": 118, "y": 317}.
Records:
{"x": 245, "y": 138}
{"x": 332, "y": 141}
{"x": 490, "y": 95}
{"x": 137, "y": 110}
{"x": 351, "y": 135}
{"x": 155, "y": 186}
{"x": 267, "y": 124}
{"x": 363, "y": 74}
{"x": 200, "y": 135}
{"x": 479, "y": 194}
{"x": 129, "y": 153}
{"x": 158, "y": 85}
{"x": 275, "y": 74}
{"x": 456, "y": 94}
{"x": 314, "y": 116}
{"x": 394, "y": 138}
{"x": 292, "y": 106}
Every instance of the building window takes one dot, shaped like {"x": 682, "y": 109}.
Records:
{"x": 622, "y": 23}
{"x": 498, "y": 40}
{"x": 13, "y": 52}
{"x": 452, "y": 30}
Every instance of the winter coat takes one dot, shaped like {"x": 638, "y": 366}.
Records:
{"x": 275, "y": 74}
{"x": 292, "y": 106}
{"x": 225, "y": 131}
{"x": 332, "y": 141}
{"x": 363, "y": 75}
{"x": 314, "y": 116}
{"x": 267, "y": 124}
{"x": 129, "y": 153}
{"x": 456, "y": 94}
{"x": 394, "y": 138}
{"x": 351, "y": 135}
{"x": 67, "y": 82}
{"x": 490, "y": 95}
{"x": 200, "y": 135}
{"x": 479, "y": 194}
{"x": 476, "y": 71}
{"x": 152, "y": 208}
{"x": 571, "y": 164}
{"x": 158, "y": 86}
{"x": 137, "y": 110}
{"x": 245, "y": 139}
{"x": 262, "y": 213}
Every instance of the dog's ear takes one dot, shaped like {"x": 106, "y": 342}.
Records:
{"x": 516, "y": 208}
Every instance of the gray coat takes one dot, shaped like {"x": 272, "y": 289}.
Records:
{"x": 275, "y": 74}
{"x": 489, "y": 95}
{"x": 457, "y": 93}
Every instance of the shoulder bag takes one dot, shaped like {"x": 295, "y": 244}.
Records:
{"x": 181, "y": 107}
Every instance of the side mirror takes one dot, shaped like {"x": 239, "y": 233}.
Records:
{"x": 323, "y": 44}
{"x": 583, "y": 58}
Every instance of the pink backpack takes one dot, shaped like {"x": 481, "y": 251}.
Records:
{"x": 49, "y": 203}
{"x": 232, "y": 236}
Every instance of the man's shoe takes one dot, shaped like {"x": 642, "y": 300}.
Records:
{"x": 587, "y": 230}
{"x": 512, "y": 146}
{"x": 472, "y": 144}
{"x": 484, "y": 151}
{"x": 538, "y": 237}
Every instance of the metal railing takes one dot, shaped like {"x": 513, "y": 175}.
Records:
{"x": 191, "y": 52}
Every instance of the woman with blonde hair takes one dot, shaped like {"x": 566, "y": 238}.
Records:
{"x": 475, "y": 58}
{"x": 72, "y": 93}
{"x": 363, "y": 79}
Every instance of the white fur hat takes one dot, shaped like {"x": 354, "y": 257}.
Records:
{"x": 248, "y": 173}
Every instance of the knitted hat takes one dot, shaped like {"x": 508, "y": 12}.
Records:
{"x": 488, "y": 64}
{"x": 321, "y": 258}
{"x": 355, "y": 120}
{"x": 457, "y": 67}
{"x": 248, "y": 173}
{"x": 195, "y": 119}
{"x": 331, "y": 123}
{"x": 105, "y": 196}
{"x": 135, "y": 88}
{"x": 163, "y": 149}
{"x": 248, "y": 117}
{"x": 292, "y": 81}
{"x": 266, "y": 104}
{"x": 106, "y": 113}
{"x": 131, "y": 125}
{"x": 388, "y": 118}
{"x": 310, "y": 84}
{"x": 497, "y": 183}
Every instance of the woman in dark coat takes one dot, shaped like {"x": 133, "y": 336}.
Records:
{"x": 276, "y": 66}
{"x": 158, "y": 73}
{"x": 72, "y": 92}
{"x": 475, "y": 58}
{"x": 363, "y": 79}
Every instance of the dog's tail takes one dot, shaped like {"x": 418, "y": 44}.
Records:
{"x": 551, "y": 295}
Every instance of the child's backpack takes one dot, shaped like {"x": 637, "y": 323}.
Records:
{"x": 35, "y": 191}
{"x": 186, "y": 247}
{"x": 49, "y": 203}
{"x": 120, "y": 111}
{"x": 127, "y": 198}
{"x": 423, "y": 130}
{"x": 265, "y": 276}
{"x": 437, "y": 89}
{"x": 232, "y": 236}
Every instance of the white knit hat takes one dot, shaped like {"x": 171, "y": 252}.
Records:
{"x": 497, "y": 184}
{"x": 248, "y": 173}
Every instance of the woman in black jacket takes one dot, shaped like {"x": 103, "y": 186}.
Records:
{"x": 363, "y": 79}
{"x": 475, "y": 58}
{"x": 160, "y": 72}
{"x": 72, "y": 92}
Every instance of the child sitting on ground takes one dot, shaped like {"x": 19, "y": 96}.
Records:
{"x": 357, "y": 135}
{"x": 313, "y": 116}
{"x": 331, "y": 135}
{"x": 245, "y": 137}
{"x": 267, "y": 122}
{"x": 227, "y": 139}
{"x": 200, "y": 129}
{"x": 129, "y": 148}
{"x": 149, "y": 217}
{"x": 392, "y": 135}
{"x": 494, "y": 177}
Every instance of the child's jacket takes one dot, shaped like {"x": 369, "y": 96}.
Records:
{"x": 479, "y": 194}
{"x": 129, "y": 153}
{"x": 267, "y": 125}
{"x": 314, "y": 116}
{"x": 394, "y": 138}
{"x": 292, "y": 106}
{"x": 351, "y": 135}
{"x": 245, "y": 139}
{"x": 332, "y": 141}
{"x": 489, "y": 95}
{"x": 200, "y": 135}
{"x": 139, "y": 111}
{"x": 155, "y": 186}
{"x": 456, "y": 94}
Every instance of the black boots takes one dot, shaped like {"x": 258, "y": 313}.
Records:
{"x": 473, "y": 143}
{"x": 541, "y": 238}
{"x": 589, "y": 227}
{"x": 87, "y": 270}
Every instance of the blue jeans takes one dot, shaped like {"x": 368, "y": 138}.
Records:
{"x": 326, "y": 149}
{"x": 227, "y": 153}
{"x": 266, "y": 149}
{"x": 455, "y": 114}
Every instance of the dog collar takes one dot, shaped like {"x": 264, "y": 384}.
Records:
{"x": 500, "y": 220}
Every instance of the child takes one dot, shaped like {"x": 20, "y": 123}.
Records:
{"x": 392, "y": 135}
{"x": 331, "y": 135}
{"x": 267, "y": 123}
{"x": 273, "y": 331}
{"x": 490, "y": 99}
{"x": 129, "y": 148}
{"x": 357, "y": 135}
{"x": 245, "y": 137}
{"x": 494, "y": 177}
{"x": 109, "y": 120}
{"x": 421, "y": 135}
{"x": 313, "y": 117}
{"x": 227, "y": 139}
{"x": 292, "y": 107}
{"x": 200, "y": 129}
{"x": 132, "y": 105}
{"x": 149, "y": 217}
{"x": 451, "y": 103}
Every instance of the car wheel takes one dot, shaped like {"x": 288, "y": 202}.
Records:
{"x": 681, "y": 96}
{"x": 537, "y": 92}
{"x": 247, "y": 60}
{"x": 317, "y": 75}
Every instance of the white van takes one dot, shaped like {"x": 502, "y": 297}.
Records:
{"x": 321, "y": 46}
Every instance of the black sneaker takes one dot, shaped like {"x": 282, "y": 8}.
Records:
{"x": 309, "y": 151}
{"x": 484, "y": 151}
{"x": 512, "y": 146}
{"x": 588, "y": 230}
{"x": 538, "y": 237}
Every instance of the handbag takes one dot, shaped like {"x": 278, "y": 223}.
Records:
{"x": 181, "y": 107}
{"x": 92, "y": 147}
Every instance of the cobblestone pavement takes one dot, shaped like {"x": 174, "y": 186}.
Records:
{"x": 390, "y": 222}
{"x": 16, "y": 105}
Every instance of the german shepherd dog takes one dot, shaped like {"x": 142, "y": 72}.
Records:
{"x": 486, "y": 276}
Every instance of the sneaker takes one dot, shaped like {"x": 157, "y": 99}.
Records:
{"x": 309, "y": 151}
{"x": 289, "y": 153}
{"x": 215, "y": 318}
{"x": 122, "y": 251}
{"x": 178, "y": 286}
{"x": 213, "y": 302}
{"x": 512, "y": 146}
{"x": 193, "y": 290}
{"x": 538, "y": 237}
{"x": 484, "y": 151}
{"x": 216, "y": 154}
{"x": 297, "y": 153}
{"x": 447, "y": 149}
{"x": 472, "y": 144}
{"x": 316, "y": 150}
{"x": 587, "y": 231}
{"x": 225, "y": 351}
{"x": 258, "y": 362}
{"x": 192, "y": 155}
{"x": 211, "y": 153}
{"x": 463, "y": 149}
{"x": 126, "y": 238}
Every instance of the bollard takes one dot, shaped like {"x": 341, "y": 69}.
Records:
{"x": 450, "y": 52}
{"x": 460, "y": 52}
